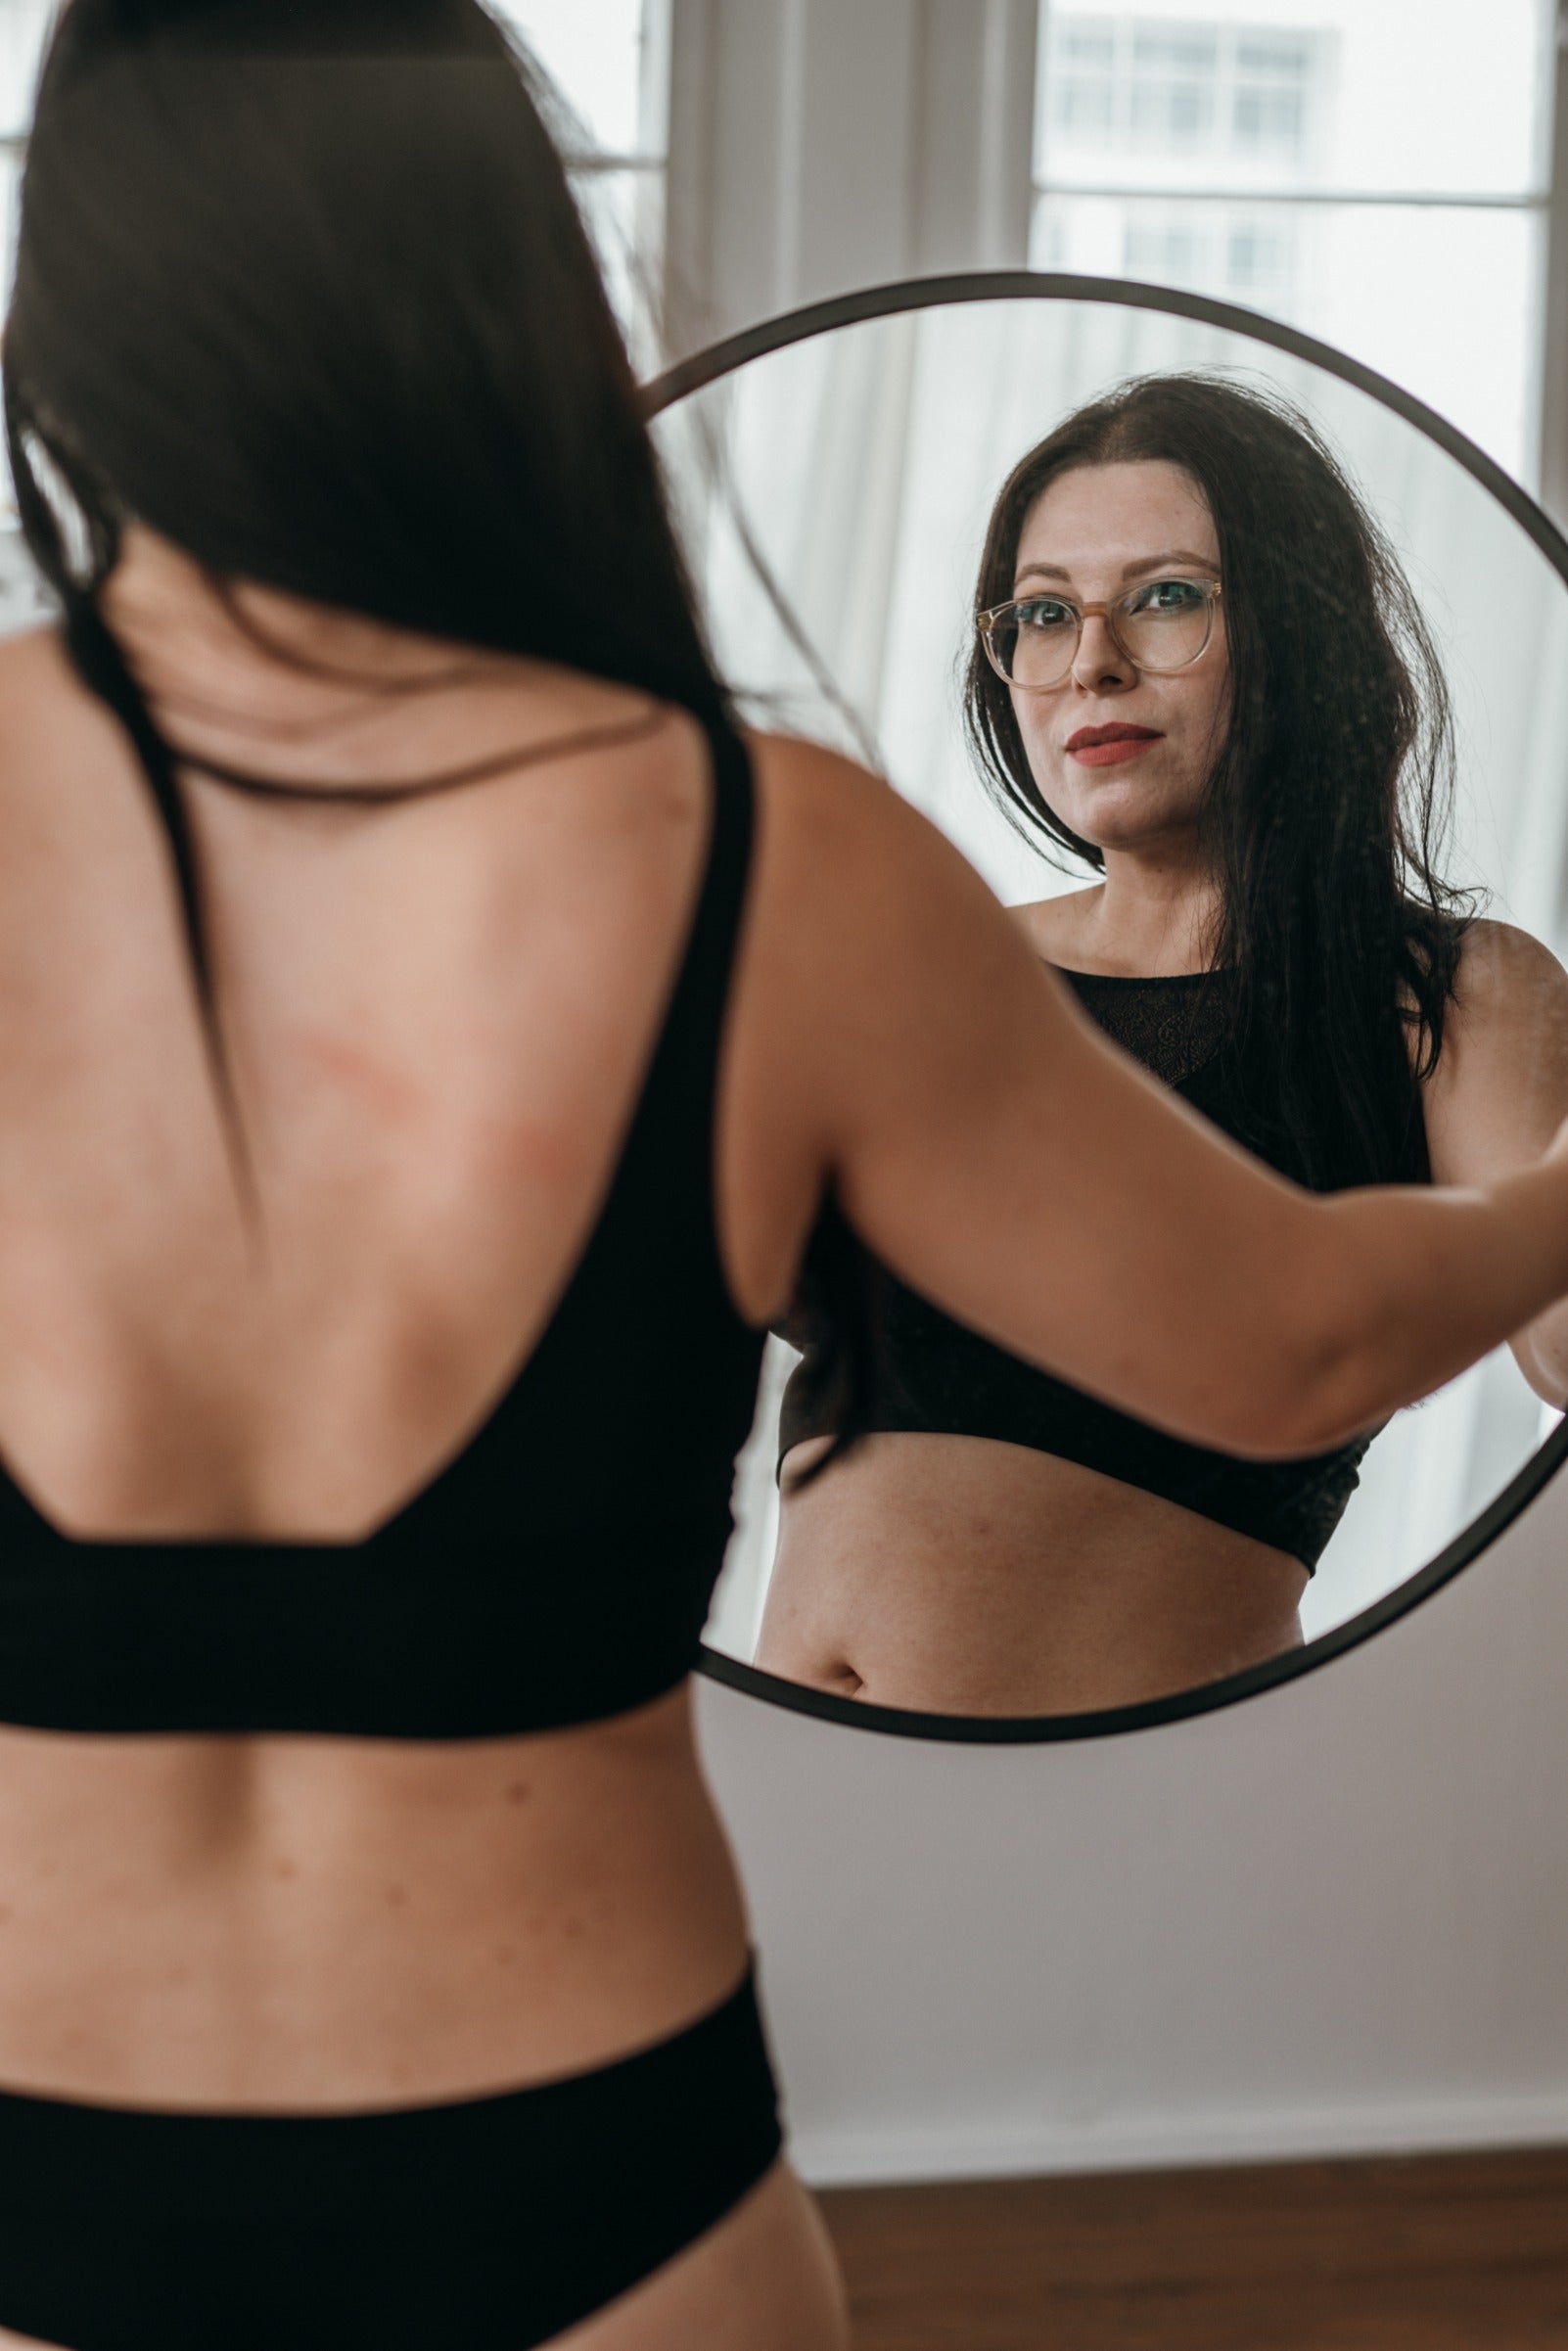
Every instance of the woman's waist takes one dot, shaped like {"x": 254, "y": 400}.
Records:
{"x": 302, "y": 1925}
{"x": 1000, "y": 1503}
{"x": 964, "y": 1575}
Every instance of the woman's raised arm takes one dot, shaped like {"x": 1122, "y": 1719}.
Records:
{"x": 894, "y": 1036}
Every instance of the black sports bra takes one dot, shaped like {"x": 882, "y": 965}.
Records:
{"x": 558, "y": 1570}
{"x": 934, "y": 1375}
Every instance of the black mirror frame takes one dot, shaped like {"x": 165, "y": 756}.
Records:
{"x": 1009, "y": 285}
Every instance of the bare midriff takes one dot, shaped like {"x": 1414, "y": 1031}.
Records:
{"x": 959, "y": 1575}
{"x": 307, "y": 1924}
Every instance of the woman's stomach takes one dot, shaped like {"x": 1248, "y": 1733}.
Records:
{"x": 961, "y": 1575}
{"x": 302, "y": 1924}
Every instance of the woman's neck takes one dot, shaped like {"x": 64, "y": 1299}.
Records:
{"x": 1155, "y": 914}
{"x": 248, "y": 678}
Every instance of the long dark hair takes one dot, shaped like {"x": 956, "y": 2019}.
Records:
{"x": 1326, "y": 812}
{"x": 301, "y": 285}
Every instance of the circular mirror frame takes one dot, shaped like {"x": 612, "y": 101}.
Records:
{"x": 723, "y": 358}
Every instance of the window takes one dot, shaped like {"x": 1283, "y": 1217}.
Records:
{"x": 22, "y": 26}
{"x": 1135, "y": 87}
{"x": 1174, "y": 82}
{"x": 1371, "y": 170}
{"x": 610, "y": 60}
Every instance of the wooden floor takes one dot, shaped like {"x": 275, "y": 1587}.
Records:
{"x": 1430, "y": 2253}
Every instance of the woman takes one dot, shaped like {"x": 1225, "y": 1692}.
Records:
{"x": 1199, "y": 669}
{"x": 407, "y": 1142}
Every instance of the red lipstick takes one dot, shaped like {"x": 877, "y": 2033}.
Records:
{"x": 1109, "y": 746}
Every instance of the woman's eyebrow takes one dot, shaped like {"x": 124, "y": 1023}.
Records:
{"x": 1153, "y": 563}
{"x": 1130, "y": 571}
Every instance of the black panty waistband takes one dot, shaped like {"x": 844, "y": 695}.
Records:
{"x": 518, "y": 2150}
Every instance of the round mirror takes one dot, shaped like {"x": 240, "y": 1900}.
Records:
{"x": 1012, "y": 1561}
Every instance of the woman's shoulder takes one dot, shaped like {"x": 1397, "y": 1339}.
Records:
{"x": 1499, "y": 964}
{"x": 30, "y": 659}
{"x": 1509, "y": 1012}
{"x": 45, "y": 703}
{"x": 864, "y": 911}
{"x": 828, "y": 813}
{"x": 808, "y": 775}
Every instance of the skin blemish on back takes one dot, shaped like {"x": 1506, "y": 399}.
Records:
{"x": 285, "y": 1869}
{"x": 396, "y": 1897}
{"x": 518, "y": 1791}
{"x": 386, "y": 1092}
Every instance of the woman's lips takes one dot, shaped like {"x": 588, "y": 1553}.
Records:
{"x": 1108, "y": 746}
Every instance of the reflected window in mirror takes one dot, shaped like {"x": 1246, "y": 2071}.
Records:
{"x": 1252, "y": 154}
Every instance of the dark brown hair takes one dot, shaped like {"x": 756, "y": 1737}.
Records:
{"x": 1327, "y": 808}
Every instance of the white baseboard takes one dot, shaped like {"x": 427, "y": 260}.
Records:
{"x": 845, "y": 2158}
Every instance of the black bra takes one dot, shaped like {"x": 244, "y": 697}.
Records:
{"x": 936, "y": 1376}
{"x": 558, "y": 1570}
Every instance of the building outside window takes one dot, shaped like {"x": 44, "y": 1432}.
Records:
{"x": 1375, "y": 171}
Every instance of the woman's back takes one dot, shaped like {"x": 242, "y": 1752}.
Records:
{"x": 429, "y": 1151}
{"x": 440, "y": 1016}
{"x": 474, "y": 1042}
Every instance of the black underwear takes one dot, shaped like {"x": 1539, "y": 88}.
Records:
{"x": 492, "y": 2225}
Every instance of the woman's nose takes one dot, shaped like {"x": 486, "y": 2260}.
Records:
{"x": 1100, "y": 666}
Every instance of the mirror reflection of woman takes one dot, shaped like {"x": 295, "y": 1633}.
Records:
{"x": 1199, "y": 669}
{"x": 419, "y": 1081}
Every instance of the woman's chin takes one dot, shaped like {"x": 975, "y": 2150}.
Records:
{"x": 1124, "y": 813}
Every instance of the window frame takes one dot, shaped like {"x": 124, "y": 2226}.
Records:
{"x": 1546, "y": 385}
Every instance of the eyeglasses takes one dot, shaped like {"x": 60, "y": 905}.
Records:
{"x": 1164, "y": 624}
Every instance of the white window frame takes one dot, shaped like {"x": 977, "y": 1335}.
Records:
{"x": 1548, "y": 393}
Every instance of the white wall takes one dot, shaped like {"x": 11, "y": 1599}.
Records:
{"x": 1333, "y": 1920}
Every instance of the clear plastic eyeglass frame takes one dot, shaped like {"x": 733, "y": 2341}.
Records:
{"x": 991, "y": 622}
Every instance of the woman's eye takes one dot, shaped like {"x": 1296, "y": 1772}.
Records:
{"x": 1165, "y": 596}
{"x": 1044, "y": 611}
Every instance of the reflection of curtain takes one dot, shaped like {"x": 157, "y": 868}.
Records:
{"x": 866, "y": 463}
{"x": 807, "y": 468}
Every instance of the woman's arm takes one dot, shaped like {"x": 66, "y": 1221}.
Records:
{"x": 892, "y": 1033}
{"x": 1499, "y": 1094}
